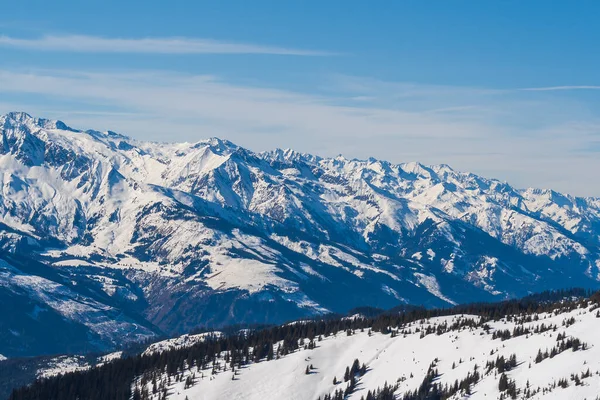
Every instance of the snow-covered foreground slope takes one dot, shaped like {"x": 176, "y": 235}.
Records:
{"x": 403, "y": 361}
{"x": 164, "y": 238}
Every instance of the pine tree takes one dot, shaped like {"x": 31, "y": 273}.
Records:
{"x": 503, "y": 383}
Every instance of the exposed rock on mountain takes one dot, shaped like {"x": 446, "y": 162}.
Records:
{"x": 105, "y": 239}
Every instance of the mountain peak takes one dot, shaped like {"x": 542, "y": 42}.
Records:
{"x": 21, "y": 116}
{"x": 218, "y": 145}
{"x": 15, "y": 118}
{"x": 289, "y": 156}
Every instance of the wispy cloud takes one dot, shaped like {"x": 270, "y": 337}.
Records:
{"x": 499, "y": 134}
{"x": 554, "y": 88}
{"x": 165, "y": 45}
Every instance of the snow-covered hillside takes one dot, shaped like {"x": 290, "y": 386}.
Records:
{"x": 547, "y": 351}
{"x": 403, "y": 359}
{"x": 136, "y": 238}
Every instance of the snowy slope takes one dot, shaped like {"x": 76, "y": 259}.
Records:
{"x": 179, "y": 342}
{"x": 64, "y": 364}
{"x": 404, "y": 360}
{"x": 208, "y": 233}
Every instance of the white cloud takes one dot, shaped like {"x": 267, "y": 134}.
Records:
{"x": 554, "y": 88}
{"x": 529, "y": 142}
{"x": 170, "y": 45}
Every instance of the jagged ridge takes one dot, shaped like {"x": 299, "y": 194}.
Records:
{"x": 209, "y": 233}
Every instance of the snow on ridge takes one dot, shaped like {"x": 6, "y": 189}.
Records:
{"x": 110, "y": 357}
{"x": 432, "y": 285}
{"x": 174, "y": 170}
{"x": 250, "y": 275}
{"x": 179, "y": 342}
{"x": 63, "y": 365}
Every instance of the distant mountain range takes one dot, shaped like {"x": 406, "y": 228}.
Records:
{"x": 106, "y": 240}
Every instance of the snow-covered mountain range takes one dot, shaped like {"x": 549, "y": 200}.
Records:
{"x": 105, "y": 239}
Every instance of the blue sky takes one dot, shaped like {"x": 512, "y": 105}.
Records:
{"x": 505, "y": 89}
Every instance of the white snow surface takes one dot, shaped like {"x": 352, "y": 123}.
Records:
{"x": 63, "y": 365}
{"x": 405, "y": 359}
{"x": 179, "y": 342}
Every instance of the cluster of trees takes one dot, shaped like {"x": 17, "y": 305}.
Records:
{"x": 505, "y": 333}
{"x": 568, "y": 322}
{"x": 501, "y": 364}
{"x": 384, "y": 393}
{"x": 565, "y": 344}
{"x": 116, "y": 380}
{"x": 520, "y": 330}
{"x": 563, "y": 383}
{"x": 461, "y": 323}
{"x": 352, "y": 374}
{"x": 507, "y": 387}
{"x": 432, "y": 390}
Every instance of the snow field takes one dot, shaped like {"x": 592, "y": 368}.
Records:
{"x": 405, "y": 359}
